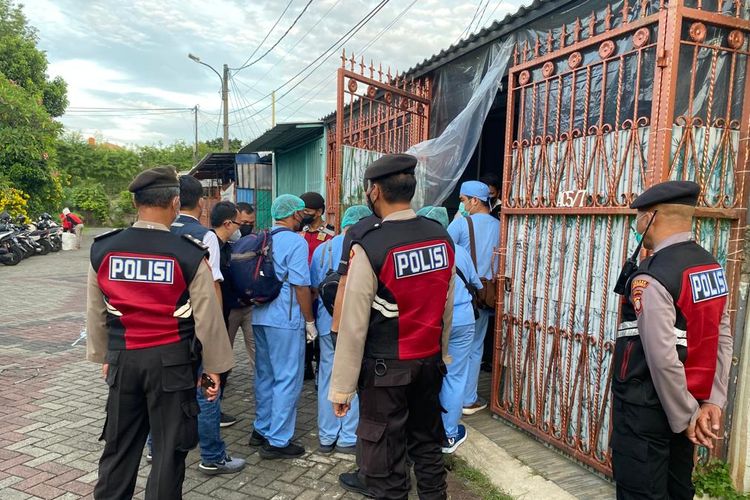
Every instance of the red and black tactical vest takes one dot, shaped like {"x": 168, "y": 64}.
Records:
{"x": 413, "y": 260}
{"x": 144, "y": 275}
{"x": 699, "y": 290}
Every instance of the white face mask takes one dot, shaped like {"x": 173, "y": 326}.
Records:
{"x": 236, "y": 235}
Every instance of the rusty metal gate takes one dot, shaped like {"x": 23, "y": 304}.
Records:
{"x": 638, "y": 93}
{"x": 376, "y": 112}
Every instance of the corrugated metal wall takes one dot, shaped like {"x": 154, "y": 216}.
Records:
{"x": 301, "y": 169}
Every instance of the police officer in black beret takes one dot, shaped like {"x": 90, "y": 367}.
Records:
{"x": 150, "y": 297}
{"x": 393, "y": 341}
{"x": 672, "y": 353}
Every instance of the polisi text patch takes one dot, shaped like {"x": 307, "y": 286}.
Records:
{"x": 421, "y": 260}
{"x": 141, "y": 269}
{"x": 708, "y": 284}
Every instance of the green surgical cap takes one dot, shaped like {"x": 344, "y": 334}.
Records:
{"x": 285, "y": 205}
{"x": 438, "y": 214}
{"x": 354, "y": 214}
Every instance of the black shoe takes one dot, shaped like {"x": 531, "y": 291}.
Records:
{"x": 289, "y": 451}
{"x": 227, "y": 420}
{"x": 326, "y": 448}
{"x": 257, "y": 439}
{"x": 309, "y": 373}
{"x": 486, "y": 367}
{"x": 350, "y": 481}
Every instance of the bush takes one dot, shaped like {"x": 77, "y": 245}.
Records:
{"x": 91, "y": 199}
{"x": 123, "y": 211}
{"x": 13, "y": 201}
{"x": 713, "y": 480}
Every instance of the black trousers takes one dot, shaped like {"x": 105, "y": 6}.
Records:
{"x": 149, "y": 389}
{"x": 649, "y": 461}
{"x": 399, "y": 404}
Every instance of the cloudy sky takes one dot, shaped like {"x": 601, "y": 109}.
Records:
{"x": 133, "y": 54}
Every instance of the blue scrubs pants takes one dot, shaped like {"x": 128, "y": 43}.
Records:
{"x": 454, "y": 383}
{"x": 279, "y": 367}
{"x": 475, "y": 357}
{"x": 332, "y": 429}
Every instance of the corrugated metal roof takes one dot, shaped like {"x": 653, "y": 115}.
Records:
{"x": 284, "y": 136}
{"x": 214, "y": 166}
{"x": 498, "y": 29}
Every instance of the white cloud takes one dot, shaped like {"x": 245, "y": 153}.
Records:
{"x": 117, "y": 54}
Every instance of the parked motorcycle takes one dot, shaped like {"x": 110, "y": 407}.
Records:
{"x": 10, "y": 251}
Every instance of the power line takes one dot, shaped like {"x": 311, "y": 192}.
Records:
{"x": 279, "y": 40}
{"x": 361, "y": 50}
{"x": 481, "y": 16}
{"x": 299, "y": 40}
{"x": 473, "y": 18}
{"x": 343, "y": 39}
{"x": 267, "y": 34}
{"x": 84, "y": 108}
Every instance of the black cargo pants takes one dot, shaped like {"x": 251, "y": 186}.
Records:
{"x": 399, "y": 404}
{"x": 649, "y": 461}
{"x": 152, "y": 388}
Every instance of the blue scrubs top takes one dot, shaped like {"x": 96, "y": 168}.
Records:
{"x": 463, "y": 312}
{"x": 486, "y": 238}
{"x": 325, "y": 258}
{"x": 290, "y": 252}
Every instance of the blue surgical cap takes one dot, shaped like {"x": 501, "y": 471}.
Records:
{"x": 438, "y": 214}
{"x": 354, "y": 214}
{"x": 285, "y": 205}
{"x": 475, "y": 189}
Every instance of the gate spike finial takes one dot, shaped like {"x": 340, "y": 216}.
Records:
{"x": 625, "y": 12}
{"x": 343, "y": 58}
{"x": 577, "y": 30}
{"x": 515, "y": 54}
{"x": 380, "y": 72}
{"x": 563, "y": 36}
{"x": 352, "y": 62}
{"x": 525, "y": 51}
{"x": 362, "y": 65}
{"x": 549, "y": 41}
{"x": 372, "y": 69}
{"x": 388, "y": 75}
{"x": 608, "y": 18}
{"x": 592, "y": 24}
{"x": 644, "y": 7}
{"x": 536, "y": 47}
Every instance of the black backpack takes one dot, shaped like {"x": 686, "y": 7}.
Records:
{"x": 251, "y": 268}
{"x": 330, "y": 284}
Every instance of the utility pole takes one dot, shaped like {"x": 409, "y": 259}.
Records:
{"x": 195, "y": 148}
{"x": 224, "y": 96}
{"x": 225, "y": 101}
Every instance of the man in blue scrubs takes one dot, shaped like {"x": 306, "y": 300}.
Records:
{"x": 280, "y": 328}
{"x": 335, "y": 433}
{"x": 475, "y": 198}
{"x": 460, "y": 341}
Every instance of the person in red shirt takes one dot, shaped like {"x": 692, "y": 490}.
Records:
{"x": 314, "y": 228}
{"x": 72, "y": 223}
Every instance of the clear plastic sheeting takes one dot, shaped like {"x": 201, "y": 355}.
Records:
{"x": 356, "y": 161}
{"x": 443, "y": 159}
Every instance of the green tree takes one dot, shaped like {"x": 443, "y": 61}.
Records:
{"x": 28, "y": 157}
{"x": 23, "y": 63}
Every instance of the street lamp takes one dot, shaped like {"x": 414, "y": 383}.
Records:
{"x": 224, "y": 95}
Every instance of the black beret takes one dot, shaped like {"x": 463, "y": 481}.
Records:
{"x": 314, "y": 200}
{"x": 157, "y": 177}
{"x": 671, "y": 192}
{"x": 391, "y": 164}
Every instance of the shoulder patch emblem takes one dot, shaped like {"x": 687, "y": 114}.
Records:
{"x": 108, "y": 233}
{"x": 195, "y": 241}
{"x": 709, "y": 284}
{"x": 636, "y": 294}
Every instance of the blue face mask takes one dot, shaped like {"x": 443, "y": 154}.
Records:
{"x": 638, "y": 236}
{"x": 462, "y": 210}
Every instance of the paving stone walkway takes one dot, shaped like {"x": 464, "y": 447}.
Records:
{"x": 52, "y": 403}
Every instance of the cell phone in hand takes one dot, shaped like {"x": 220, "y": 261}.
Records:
{"x": 206, "y": 383}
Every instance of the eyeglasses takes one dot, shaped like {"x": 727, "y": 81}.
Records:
{"x": 234, "y": 222}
